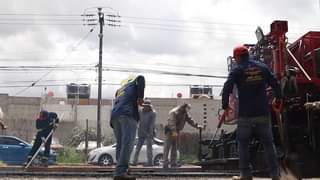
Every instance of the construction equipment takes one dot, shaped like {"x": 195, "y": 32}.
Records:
{"x": 297, "y": 67}
{"x": 222, "y": 118}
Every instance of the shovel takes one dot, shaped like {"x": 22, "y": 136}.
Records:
{"x": 278, "y": 111}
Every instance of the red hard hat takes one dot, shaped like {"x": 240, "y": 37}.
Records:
{"x": 238, "y": 51}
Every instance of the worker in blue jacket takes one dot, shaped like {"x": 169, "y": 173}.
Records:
{"x": 45, "y": 123}
{"x": 124, "y": 119}
{"x": 251, "y": 79}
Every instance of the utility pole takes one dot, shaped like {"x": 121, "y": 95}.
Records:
{"x": 101, "y": 23}
{"x": 91, "y": 21}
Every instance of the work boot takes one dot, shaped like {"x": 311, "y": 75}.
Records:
{"x": 134, "y": 163}
{"x": 275, "y": 178}
{"x": 175, "y": 165}
{"x": 124, "y": 177}
{"x": 44, "y": 162}
{"x": 241, "y": 178}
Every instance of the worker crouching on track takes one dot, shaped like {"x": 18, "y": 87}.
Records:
{"x": 45, "y": 123}
{"x": 178, "y": 116}
{"x": 145, "y": 131}
{"x": 251, "y": 79}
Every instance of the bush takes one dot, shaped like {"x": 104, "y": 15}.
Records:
{"x": 188, "y": 147}
{"x": 188, "y": 159}
{"x": 189, "y": 143}
{"x": 78, "y": 135}
{"x": 70, "y": 155}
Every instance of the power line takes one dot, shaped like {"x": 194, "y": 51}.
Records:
{"x": 120, "y": 69}
{"x": 89, "y": 66}
{"x": 43, "y": 76}
{"x": 204, "y": 22}
{"x": 109, "y": 84}
{"x": 185, "y": 21}
{"x": 183, "y": 26}
{"x": 164, "y": 72}
{"x": 39, "y": 14}
{"x": 47, "y": 80}
{"x": 41, "y": 24}
{"x": 181, "y": 30}
{"x": 39, "y": 19}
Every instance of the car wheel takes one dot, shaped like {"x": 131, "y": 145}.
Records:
{"x": 158, "y": 160}
{"x": 105, "y": 160}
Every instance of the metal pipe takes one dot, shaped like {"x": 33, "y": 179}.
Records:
{"x": 299, "y": 65}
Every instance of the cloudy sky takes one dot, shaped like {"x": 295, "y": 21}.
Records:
{"x": 155, "y": 37}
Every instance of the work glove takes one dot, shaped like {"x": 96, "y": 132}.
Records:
{"x": 199, "y": 126}
{"x": 174, "y": 134}
{"x": 140, "y": 101}
{"x": 277, "y": 104}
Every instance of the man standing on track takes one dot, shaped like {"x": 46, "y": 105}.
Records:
{"x": 145, "y": 131}
{"x": 178, "y": 117}
{"x": 252, "y": 79}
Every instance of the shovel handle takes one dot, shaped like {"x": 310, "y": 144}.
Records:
{"x": 222, "y": 117}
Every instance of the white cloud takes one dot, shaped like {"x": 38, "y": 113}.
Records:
{"x": 203, "y": 38}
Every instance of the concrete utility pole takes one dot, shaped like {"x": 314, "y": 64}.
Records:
{"x": 101, "y": 23}
{"x": 91, "y": 21}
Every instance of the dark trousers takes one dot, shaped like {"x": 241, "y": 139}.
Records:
{"x": 261, "y": 127}
{"x": 37, "y": 144}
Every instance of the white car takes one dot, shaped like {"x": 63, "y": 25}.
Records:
{"x": 91, "y": 145}
{"x": 106, "y": 156}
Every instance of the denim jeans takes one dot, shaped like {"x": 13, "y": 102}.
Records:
{"x": 141, "y": 141}
{"x": 124, "y": 129}
{"x": 170, "y": 147}
{"x": 261, "y": 127}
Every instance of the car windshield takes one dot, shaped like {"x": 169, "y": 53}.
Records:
{"x": 11, "y": 141}
{"x": 155, "y": 141}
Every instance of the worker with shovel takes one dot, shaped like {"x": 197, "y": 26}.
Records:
{"x": 251, "y": 79}
{"x": 178, "y": 117}
{"x": 45, "y": 124}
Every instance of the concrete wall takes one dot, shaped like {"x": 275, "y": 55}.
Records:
{"x": 20, "y": 114}
{"x": 72, "y": 116}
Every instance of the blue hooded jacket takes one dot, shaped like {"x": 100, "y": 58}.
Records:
{"x": 251, "y": 79}
{"x": 126, "y": 98}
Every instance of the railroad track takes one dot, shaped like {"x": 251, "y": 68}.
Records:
{"x": 96, "y": 171}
